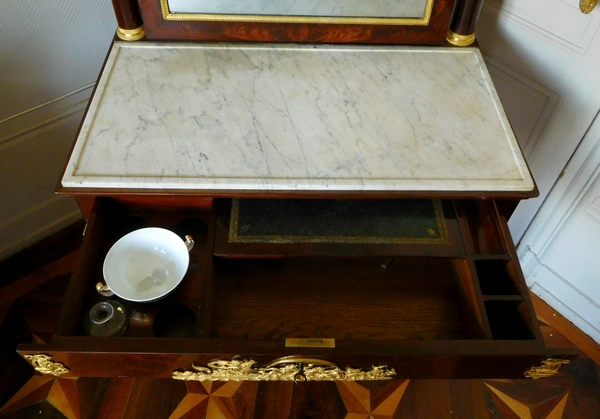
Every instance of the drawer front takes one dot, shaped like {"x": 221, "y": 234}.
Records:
{"x": 391, "y": 313}
{"x": 215, "y": 361}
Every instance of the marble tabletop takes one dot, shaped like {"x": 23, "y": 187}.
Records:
{"x": 289, "y": 117}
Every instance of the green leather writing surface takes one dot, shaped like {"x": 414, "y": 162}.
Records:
{"x": 399, "y": 221}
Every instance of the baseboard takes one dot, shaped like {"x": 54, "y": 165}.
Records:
{"x": 572, "y": 305}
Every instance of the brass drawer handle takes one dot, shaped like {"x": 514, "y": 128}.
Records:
{"x": 104, "y": 290}
{"x": 300, "y": 360}
{"x": 328, "y": 367}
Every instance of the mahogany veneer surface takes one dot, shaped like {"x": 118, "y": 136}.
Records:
{"x": 336, "y": 298}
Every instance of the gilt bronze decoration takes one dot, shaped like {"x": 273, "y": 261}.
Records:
{"x": 45, "y": 365}
{"x": 284, "y": 369}
{"x": 586, "y": 6}
{"x": 131, "y": 34}
{"x": 548, "y": 368}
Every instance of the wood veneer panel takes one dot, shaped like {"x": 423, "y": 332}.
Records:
{"x": 144, "y": 357}
{"x": 471, "y": 290}
{"x": 466, "y": 14}
{"x": 485, "y": 233}
{"x": 108, "y": 222}
{"x": 274, "y": 400}
{"x": 426, "y": 399}
{"x": 414, "y": 298}
{"x": 231, "y": 193}
{"x": 160, "y": 202}
{"x": 473, "y": 318}
{"x": 153, "y": 398}
{"x": 516, "y": 274}
{"x": 90, "y": 248}
{"x": 159, "y": 29}
{"x": 127, "y": 14}
{"x": 115, "y": 398}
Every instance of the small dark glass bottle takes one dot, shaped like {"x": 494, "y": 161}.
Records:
{"x": 106, "y": 318}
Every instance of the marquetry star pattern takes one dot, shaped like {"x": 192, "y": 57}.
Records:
{"x": 210, "y": 400}
{"x": 364, "y": 403}
{"x": 515, "y": 402}
{"x": 61, "y": 393}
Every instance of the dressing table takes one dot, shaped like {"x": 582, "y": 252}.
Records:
{"x": 347, "y": 181}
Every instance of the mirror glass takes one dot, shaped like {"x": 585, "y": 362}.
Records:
{"x": 406, "y": 9}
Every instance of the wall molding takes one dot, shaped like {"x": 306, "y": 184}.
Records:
{"x": 503, "y": 72}
{"x": 593, "y": 211}
{"x": 567, "y": 192}
{"x": 18, "y": 126}
{"x": 38, "y": 227}
{"x": 522, "y": 14}
{"x": 34, "y": 145}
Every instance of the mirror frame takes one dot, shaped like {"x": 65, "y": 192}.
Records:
{"x": 160, "y": 25}
{"x": 215, "y": 17}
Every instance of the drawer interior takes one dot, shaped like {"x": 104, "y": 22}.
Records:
{"x": 336, "y": 298}
{"x": 477, "y": 293}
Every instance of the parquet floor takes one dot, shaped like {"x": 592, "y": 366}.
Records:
{"x": 573, "y": 393}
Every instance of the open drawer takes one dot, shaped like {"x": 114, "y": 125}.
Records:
{"x": 341, "y": 311}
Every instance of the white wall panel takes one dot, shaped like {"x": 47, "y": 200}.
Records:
{"x": 50, "y": 48}
{"x": 51, "y": 53}
{"x": 31, "y": 163}
{"x": 528, "y": 104}
{"x": 558, "y": 21}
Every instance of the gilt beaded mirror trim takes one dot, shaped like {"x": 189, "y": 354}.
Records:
{"x": 212, "y": 17}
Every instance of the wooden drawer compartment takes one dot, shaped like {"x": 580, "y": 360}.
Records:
{"x": 422, "y": 314}
{"x": 344, "y": 299}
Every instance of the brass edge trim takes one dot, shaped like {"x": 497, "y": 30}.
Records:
{"x": 131, "y": 34}
{"x": 283, "y": 369}
{"x": 460, "y": 40}
{"x": 45, "y": 365}
{"x": 167, "y": 15}
{"x": 586, "y": 6}
{"x": 549, "y": 368}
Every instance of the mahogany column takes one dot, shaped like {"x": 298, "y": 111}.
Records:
{"x": 130, "y": 23}
{"x": 464, "y": 20}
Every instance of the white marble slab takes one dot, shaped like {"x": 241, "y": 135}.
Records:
{"x": 312, "y": 118}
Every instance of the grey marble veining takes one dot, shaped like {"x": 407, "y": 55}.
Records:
{"x": 173, "y": 116}
{"x": 335, "y": 8}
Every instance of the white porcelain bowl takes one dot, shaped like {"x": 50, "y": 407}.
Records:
{"x": 146, "y": 264}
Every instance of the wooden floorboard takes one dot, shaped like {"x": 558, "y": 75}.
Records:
{"x": 42, "y": 252}
{"x": 29, "y": 315}
{"x": 548, "y": 315}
